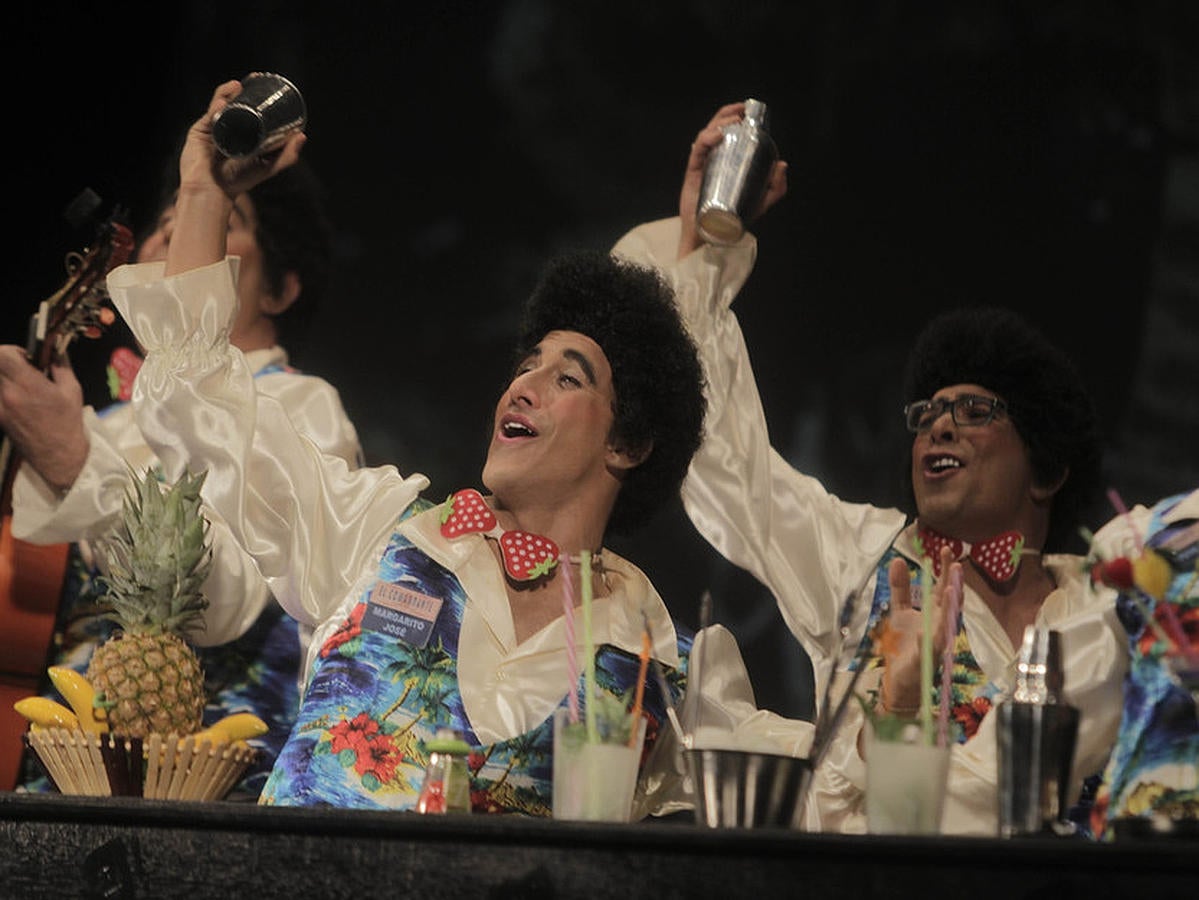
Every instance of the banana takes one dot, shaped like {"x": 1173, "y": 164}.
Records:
{"x": 79, "y": 693}
{"x": 46, "y": 713}
{"x": 1152, "y": 573}
{"x": 234, "y": 727}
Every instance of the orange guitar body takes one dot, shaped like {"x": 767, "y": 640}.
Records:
{"x": 31, "y": 578}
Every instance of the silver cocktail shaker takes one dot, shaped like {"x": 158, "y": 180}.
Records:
{"x": 1036, "y": 732}
{"x": 260, "y": 118}
{"x": 736, "y": 177}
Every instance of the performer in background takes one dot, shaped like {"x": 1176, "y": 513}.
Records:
{"x": 1151, "y": 554}
{"x": 1004, "y": 453}
{"x": 75, "y": 473}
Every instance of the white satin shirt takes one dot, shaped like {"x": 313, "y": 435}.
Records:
{"x": 813, "y": 550}
{"x": 236, "y": 592}
{"x": 316, "y": 529}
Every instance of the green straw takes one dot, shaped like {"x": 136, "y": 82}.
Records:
{"x": 588, "y": 650}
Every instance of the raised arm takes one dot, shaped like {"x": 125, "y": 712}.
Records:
{"x": 208, "y": 184}
{"x": 808, "y": 547}
{"x": 305, "y": 518}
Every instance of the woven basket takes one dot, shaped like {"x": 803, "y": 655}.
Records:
{"x": 162, "y": 767}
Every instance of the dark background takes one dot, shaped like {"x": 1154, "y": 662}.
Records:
{"x": 1038, "y": 155}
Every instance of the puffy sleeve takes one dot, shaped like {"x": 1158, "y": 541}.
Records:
{"x": 310, "y": 523}
{"x": 809, "y": 548}
{"x": 89, "y": 509}
{"x": 315, "y": 407}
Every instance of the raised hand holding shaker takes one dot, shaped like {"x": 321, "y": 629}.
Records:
{"x": 736, "y": 177}
{"x": 259, "y": 119}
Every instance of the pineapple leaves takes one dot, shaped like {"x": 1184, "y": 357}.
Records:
{"x": 156, "y": 560}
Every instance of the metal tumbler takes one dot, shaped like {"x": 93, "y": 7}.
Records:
{"x": 1036, "y": 736}
{"x": 260, "y": 118}
{"x": 736, "y": 177}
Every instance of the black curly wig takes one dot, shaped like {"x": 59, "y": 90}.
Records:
{"x": 294, "y": 234}
{"x": 1047, "y": 400}
{"x": 629, "y": 311}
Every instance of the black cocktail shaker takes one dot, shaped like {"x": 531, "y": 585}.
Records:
{"x": 1037, "y": 732}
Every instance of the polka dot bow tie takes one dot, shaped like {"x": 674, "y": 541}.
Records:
{"x": 526, "y": 556}
{"x": 998, "y": 558}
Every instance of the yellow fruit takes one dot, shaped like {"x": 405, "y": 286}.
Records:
{"x": 235, "y": 727}
{"x": 155, "y": 563}
{"x": 1152, "y": 574}
{"x": 44, "y": 712}
{"x": 78, "y": 692}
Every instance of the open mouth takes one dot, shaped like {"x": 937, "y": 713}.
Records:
{"x": 516, "y": 427}
{"x": 937, "y": 465}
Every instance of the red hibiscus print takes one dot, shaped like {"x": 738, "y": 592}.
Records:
{"x": 347, "y": 631}
{"x": 970, "y": 715}
{"x": 375, "y": 753}
{"x": 123, "y": 367}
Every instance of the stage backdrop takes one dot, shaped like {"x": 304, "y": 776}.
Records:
{"x": 1038, "y": 156}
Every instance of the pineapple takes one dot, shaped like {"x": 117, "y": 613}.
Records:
{"x": 147, "y": 675}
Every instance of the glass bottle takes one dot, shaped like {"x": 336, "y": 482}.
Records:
{"x": 446, "y": 788}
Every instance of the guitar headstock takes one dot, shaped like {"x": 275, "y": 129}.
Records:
{"x": 77, "y": 308}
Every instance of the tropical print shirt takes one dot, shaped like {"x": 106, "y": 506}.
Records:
{"x": 386, "y": 681}
{"x": 1154, "y": 768}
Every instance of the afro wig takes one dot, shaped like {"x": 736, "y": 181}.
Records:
{"x": 629, "y": 311}
{"x": 1046, "y": 398}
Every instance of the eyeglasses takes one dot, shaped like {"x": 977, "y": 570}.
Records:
{"x": 967, "y": 409}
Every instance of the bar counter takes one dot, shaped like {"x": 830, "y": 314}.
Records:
{"x": 56, "y": 846}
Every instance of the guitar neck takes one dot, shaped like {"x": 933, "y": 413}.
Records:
{"x": 32, "y": 576}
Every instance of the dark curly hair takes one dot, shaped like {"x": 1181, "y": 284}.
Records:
{"x": 1047, "y": 400}
{"x": 294, "y": 234}
{"x": 629, "y": 311}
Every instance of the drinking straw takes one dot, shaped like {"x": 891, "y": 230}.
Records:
{"x": 572, "y": 652}
{"x": 588, "y": 649}
{"x": 828, "y": 720}
{"x": 926, "y": 657}
{"x": 664, "y": 690}
{"x": 695, "y": 669}
{"x": 1179, "y": 637}
{"x": 1151, "y": 621}
{"x": 953, "y": 596}
{"x": 1118, "y": 502}
{"x": 635, "y": 715}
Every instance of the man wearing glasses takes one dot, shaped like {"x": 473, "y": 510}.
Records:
{"x": 1004, "y": 458}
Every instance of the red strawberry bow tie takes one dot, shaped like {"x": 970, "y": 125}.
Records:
{"x": 999, "y": 557}
{"x": 526, "y": 556}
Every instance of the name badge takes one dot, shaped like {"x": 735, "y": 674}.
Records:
{"x": 401, "y": 613}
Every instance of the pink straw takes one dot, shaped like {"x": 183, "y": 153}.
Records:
{"x": 1118, "y": 503}
{"x": 572, "y": 653}
{"x": 953, "y": 595}
{"x": 926, "y": 656}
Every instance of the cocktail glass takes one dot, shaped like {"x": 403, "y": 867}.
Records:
{"x": 594, "y": 781}
{"x": 905, "y": 782}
